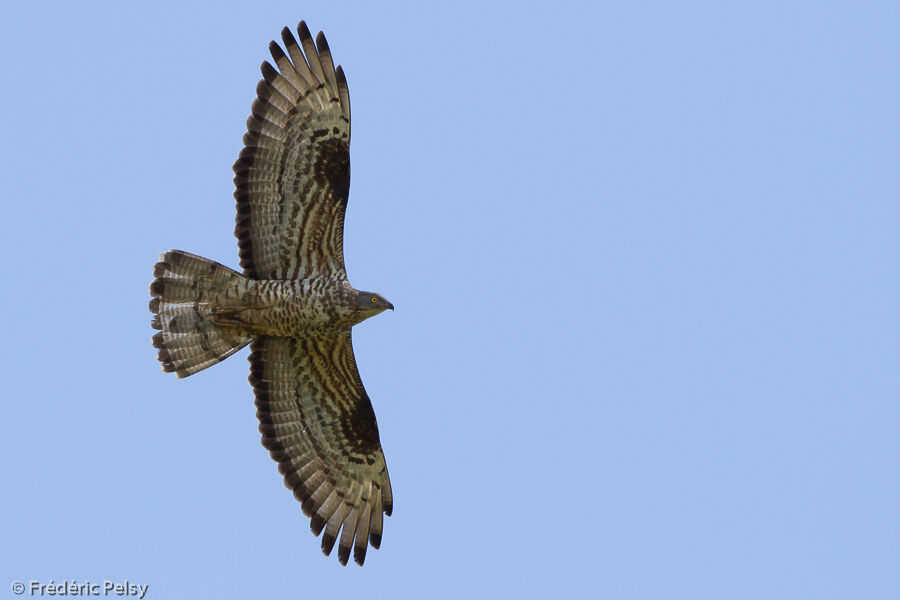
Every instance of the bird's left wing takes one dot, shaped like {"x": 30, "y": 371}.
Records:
{"x": 292, "y": 178}
{"x": 317, "y": 422}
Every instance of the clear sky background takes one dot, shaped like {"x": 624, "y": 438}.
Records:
{"x": 645, "y": 262}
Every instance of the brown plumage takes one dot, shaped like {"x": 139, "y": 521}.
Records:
{"x": 293, "y": 302}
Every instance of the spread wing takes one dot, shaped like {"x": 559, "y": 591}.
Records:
{"x": 293, "y": 176}
{"x": 317, "y": 422}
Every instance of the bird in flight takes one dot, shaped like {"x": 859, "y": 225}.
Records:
{"x": 293, "y": 303}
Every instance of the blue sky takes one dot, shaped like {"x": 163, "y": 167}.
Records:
{"x": 645, "y": 262}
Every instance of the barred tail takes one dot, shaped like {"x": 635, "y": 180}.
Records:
{"x": 184, "y": 294}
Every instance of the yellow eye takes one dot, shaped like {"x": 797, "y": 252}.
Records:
{"x": 374, "y": 299}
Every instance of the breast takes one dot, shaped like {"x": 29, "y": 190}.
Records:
{"x": 291, "y": 307}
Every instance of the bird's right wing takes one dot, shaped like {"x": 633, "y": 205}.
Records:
{"x": 292, "y": 178}
{"x": 317, "y": 421}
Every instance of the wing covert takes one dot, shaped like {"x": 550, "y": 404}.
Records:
{"x": 292, "y": 178}
{"x": 317, "y": 422}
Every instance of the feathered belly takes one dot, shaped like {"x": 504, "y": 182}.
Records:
{"x": 283, "y": 308}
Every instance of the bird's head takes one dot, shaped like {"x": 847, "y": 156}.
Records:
{"x": 369, "y": 304}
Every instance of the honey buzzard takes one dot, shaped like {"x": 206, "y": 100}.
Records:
{"x": 293, "y": 303}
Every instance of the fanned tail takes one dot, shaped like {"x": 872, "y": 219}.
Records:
{"x": 184, "y": 299}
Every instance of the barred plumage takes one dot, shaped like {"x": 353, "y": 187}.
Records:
{"x": 293, "y": 301}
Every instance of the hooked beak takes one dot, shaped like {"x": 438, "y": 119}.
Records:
{"x": 390, "y": 306}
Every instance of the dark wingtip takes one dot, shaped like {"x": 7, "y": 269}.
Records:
{"x": 307, "y": 505}
{"x": 343, "y": 554}
{"x": 303, "y": 31}
{"x": 359, "y": 554}
{"x": 327, "y": 543}
{"x": 288, "y": 38}
{"x": 275, "y": 50}
{"x": 321, "y": 42}
{"x": 268, "y": 71}
{"x": 316, "y": 524}
{"x": 375, "y": 540}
